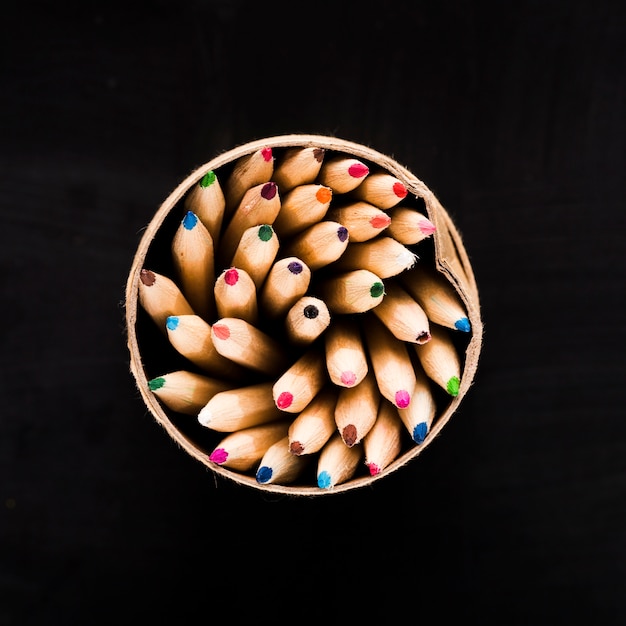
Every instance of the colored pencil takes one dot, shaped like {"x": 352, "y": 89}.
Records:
{"x": 278, "y": 465}
{"x": 206, "y": 200}
{"x": 352, "y": 292}
{"x": 403, "y": 315}
{"x": 302, "y": 207}
{"x": 315, "y": 424}
{"x": 306, "y": 320}
{"x": 193, "y": 257}
{"x": 381, "y": 189}
{"x": 437, "y": 297}
{"x": 383, "y": 442}
{"x": 300, "y": 383}
{"x": 297, "y": 166}
{"x": 248, "y": 172}
{"x": 364, "y": 221}
{"x": 319, "y": 244}
{"x": 161, "y": 297}
{"x": 384, "y": 256}
{"x": 337, "y": 463}
{"x": 286, "y": 282}
{"x": 241, "y": 407}
{"x": 190, "y": 336}
{"x": 235, "y": 295}
{"x": 391, "y": 363}
{"x": 346, "y": 359}
{"x": 243, "y": 449}
{"x": 409, "y": 226}
{"x": 248, "y": 346}
{"x": 260, "y": 205}
{"x": 342, "y": 173}
{"x": 419, "y": 415}
{"x": 184, "y": 391}
{"x": 256, "y": 252}
{"x": 440, "y": 359}
{"x": 356, "y": 410}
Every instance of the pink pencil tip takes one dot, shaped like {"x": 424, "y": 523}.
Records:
{"x": 348, "y": 378}
{"x": 267, "y": 154}
{"x": 231, "y": 276}
{"x": 427, "y": 227}
{"x": 284, "y": 400}
{"x": 403, "y": 399}
{"x": 219, "y": 456}
{"x": 373, "y": 468}
{"x": 358, "y": 170}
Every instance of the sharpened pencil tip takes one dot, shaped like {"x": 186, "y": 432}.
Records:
{"x": 349, "y": 435}
{"x": 219, "y": 456}
{"x": 190, "y": 220}
{"x": 373, "y": 469}
{"x": 208, "y": 179}
{"x": 400, "y": 190}
{"x": 264, "y": 474}
{"x": 420, "y": 432}
{"x": 324, "y": 481}
{"x": 172, "y": 322}
{"x": 348, "y": 378}
{"x": 204, "y": 417}
{"x": 284, "y": 400}
{"x": 295, "y": 267}
{"x": 358, "y": 170}
{"x": 403, "y": 399}
{"x": 147, "y": 277}
{"x": 377, "y": 290}
{"x": 427, "y": 227}
{"x": 463, "y": 325}
{"x": 296, "y": 448}
{"x": 156, "y": 383}
{"x": 453, "y": 386}
{"x": 267, "y": 154}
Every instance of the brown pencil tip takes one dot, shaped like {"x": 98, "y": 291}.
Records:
{"x": 296, "y": 448}
{"x": 422, "y": 338}
{"x": 349, "y": 435}
{"x": 147, "y": 277}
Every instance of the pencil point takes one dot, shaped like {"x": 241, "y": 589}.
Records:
{"x": 147, "y": 277}
{"x": 265, "y": 232}
{"x": 231, "y": 276}
{"x": 284, "y": 400}
{"x": 400, "y": 190}
{"x": 373, "y": 469}
{"x": 453, "y": 386}
{"x": 296, "y": 448}
{"x": 420, "y": 432}
{"x": 324, "y": 195}
{"x": 349, "y": 435}
{"x": 268, "y": 191}
{"x": 342, "y": 233}
{"x": 221, "y": 331}
{"x": 190, "y": 220}
{"x": 463, "y": 325}
{"x": 358, "y": 170}
{"x": 348, "y": 378}
{"x": 264, "y": 474}
{"x": 204, "y": 417}
{"x": 427, "y": 227}
{"x": 324, "y": 480}
{"x": 156, "y": 383}
{"x": 380, "y": 221}
{"x": 422, "y": 338}
{"x": 208, "y": 179}
{"x": 172, "y": 322}
{"x": 267, "y": 154}
{"x": 403, "y": 399}
{"x": 219, "y": 456}
{"x": 377, "y": 290}
{"x": 295, "y": 267}
{"x": 310, "y": 311}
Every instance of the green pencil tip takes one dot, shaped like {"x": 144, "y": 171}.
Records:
{"x": 453, "y": 386}
{"x": 208, "y": 179}
{"x": 156, "y": 383}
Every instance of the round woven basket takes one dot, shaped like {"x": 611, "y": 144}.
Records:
{"x": 152, "y": 355}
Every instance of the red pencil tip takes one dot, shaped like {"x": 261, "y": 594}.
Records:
{"x": 284, "y": 400}
{"x": 373, "y": 468}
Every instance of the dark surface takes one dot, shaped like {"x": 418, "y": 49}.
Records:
{"x": 513, "y": 116}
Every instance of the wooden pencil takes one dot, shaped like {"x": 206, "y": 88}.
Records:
{"x": 302, "y": 207}
{"x": 247, "y": 172}
{"x": 236, "y": 295}
{"x": 243, "y": 449}
{"x": 409, "y": 226}
{"x": 384, "y": 256}
{"x": 337, "y": 463}
{"x": 437, "y": 297}
{"x": 286, "y": 282}
{"x": 185, "y": 391}
{"x": 248, "y": 346}
{"x": 357, "y": 291}
{"x": 364, "y": 221}
{"x": 356, "y": 410}
{"x": 161, "y": 297}
{"x": 193, "y": 258}
{"x": 306, "y": 320}
{"x": 279, "y": 466}
{"x": 256, "y": 252}
{"x": 346, "y": 359}
{"x": 190, "y": 336}
{"x": 383, "y": 442}
{"x": 403, "y": 315}
{"x": 342, "y": 173}
{"x": 297, "y": 166}
{"x": 381, "y": 189}
{"x": 420, "y": 414}
{"x": 440, "y": 359}
{"x": 301, "y": 382}
{"x": 315, "y": 424}
{"x": 241, "y": 407}
{"x": 206, "y": 200}
{"x": 319, "y": 244}
{"x": 391, "y": 363}
{"x": 260, "y": 205}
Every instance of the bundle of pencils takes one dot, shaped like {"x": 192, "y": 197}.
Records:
{"x": 302, "y": 315}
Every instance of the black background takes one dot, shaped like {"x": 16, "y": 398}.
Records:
{"x": 513, "y": 114}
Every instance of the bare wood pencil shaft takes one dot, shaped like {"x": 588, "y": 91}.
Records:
{"x": 256, "y": 252}
{"x": 315, "y": 424}
{"x": 278, "y": 465}
{"x": 302, "y": 207}
{"x": 249, "y": 171}
{"x": 342, "y": 173}
{"x": 236, "y": 296}
{"x": 161, "y": 297}
{"x": 346, "y": 359}
{"x": 383, "y": 443}
{"x": 352, "y": 292}
{"x": 440, "y": 359}
{"x": 206, "y": 200}
{"x": 409, "y": 226}
{"x": 420, "y": 414}
{"x": 287, "y": 281}
{"x": 319, "y": 244}
{"x": 381, "y": 189}
{"x": 298, "y": 166}
{"x": 306, "y": 320}
{"x": 337, "y": 462}
{"x": 299, "y": 384}
{"x": 364, "y": 221}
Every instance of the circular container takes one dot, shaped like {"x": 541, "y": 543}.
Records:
{"x": 151, "y": 354}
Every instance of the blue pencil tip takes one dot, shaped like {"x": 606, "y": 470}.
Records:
{"x": 420, "y": 432}
{"x": 323, "y": 480}
{"x": 172, "y": 322}
{"x": 463, "y": 324}
{"x": 190, "y": 220}
{"x": 264, "y": 474}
